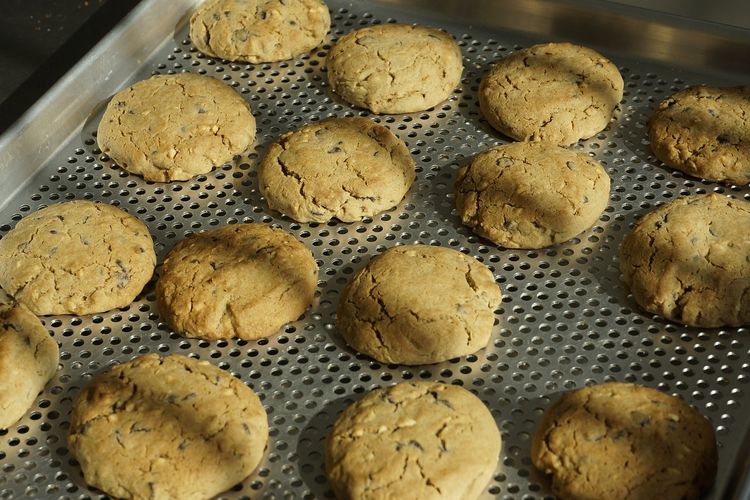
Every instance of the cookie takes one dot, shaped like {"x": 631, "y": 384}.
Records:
{"x": 554, "y": 92}
{"x": 419, "y": 304}
{"x": 174, "y": 127}
{"x": 688, "y": 261}
{"x": 28, "y": 359}
{"x": 77, "y": 257}
{"x": 346, "y": 168}
{"x": 531, "y": 194}
{"x": 705, "y": 132}
{"x": 624, "y": 441}
{"x": 395, "y": 68}
{"x": 413, "y": 440}
{"x": 259, "y": 31}
{"x": 169, "y": 427}
{"x": 240, "y": 280}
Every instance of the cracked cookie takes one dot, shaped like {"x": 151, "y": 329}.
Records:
{"x": 624, "y": 441}
{"x": 418, "y": 440}
{"x": 531, "y": 194}
{"x": 77, "y": 257}
{"x": 419, "y": 304}
{"x": 240, "y": 280}
{"x": 259, "y": 31}
{"x": 705, "y": 132}
{"x": 395, "y": 68}
{"x": 555, "y": 92}
{"x": 169, "y": 427}
{"x": 688, "y": 261}
{"x": 174, "y": 127}
{"x": 28, "y": 359}
{"x": 346, "y": 168}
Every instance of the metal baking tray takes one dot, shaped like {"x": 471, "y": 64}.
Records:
{"x": 566, "y": 318}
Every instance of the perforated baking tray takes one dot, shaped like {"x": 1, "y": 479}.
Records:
{"x": 566, "y": 319}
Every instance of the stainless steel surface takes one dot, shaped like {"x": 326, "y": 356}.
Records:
{"x": 621, "y": 29}
{"x": 58, "y": 116}
{"x": 738, "y": 487}
{"x": 731, "y": 12}
{"x": 566, "y": 319}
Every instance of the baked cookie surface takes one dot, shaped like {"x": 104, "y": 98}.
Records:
{"x": 169, "y": 427}
{"x": 531, "y": 194}
{"x": 418, "y": 304}
{"x": 345, "y": 168}
{"x": 395, "y": 68}
{"x": 420, "y": 440}
{"x": 174, "y": 127}
{"x": 240, "y": 280}
{"x": 688, "y": 261}
{"x": 555, "y": 92}
{"x": 77, "y": 257}
{"x": 624, "y": 441}
{"x": 258, "y": 31}
{"x": 28, "y": 359}
{"x": 705, "y": 132}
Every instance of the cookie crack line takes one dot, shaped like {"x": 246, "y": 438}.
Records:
{"x": 426, "y": 428}
{"x": 150, "y": 128}
{"x": 348, "y": 168}
{"x": 287, "y": 172}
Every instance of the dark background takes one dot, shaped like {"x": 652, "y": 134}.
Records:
{"x": 41, "y": 39}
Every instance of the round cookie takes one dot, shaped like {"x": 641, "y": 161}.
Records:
{"x": 705, "y": 132}
{"x": 346, "y": 168}
{"x": 555, "y": 92}
{"x": 419, "y": 304}
{"x": 28, "y": 359}
{"x": 174, "y": 127}
{"x": 413, "y": 440}
{"x": 169, "y": 427}
{"x": 259, "y": 30}
{"x": 240, "y": 280}
{"x": 624, "y": 441}
{"x": 531, "y": 194}
{"x": 688, "y": 261}
{"x": 77, "y": 257}
{"x": 395, "y": 68}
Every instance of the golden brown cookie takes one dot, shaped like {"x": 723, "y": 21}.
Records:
{"x": 77, "y": 257}
{"x": 169, "y": 427}
{"x": 688, "y": 261}
{"x": 395, "y": 68}
{"x": 555, "y": 92}
{"x": 346, "y": 168}
{"x": 414, "y": 440}
{"x": 623, "y": 441}
{"x": 240, "y": 280}
{"x": 174, "y": 127}
{"x": 259, "y": 30}
{"x": 705, "y": 132}
{"x": 531, "y": 194}
{"x": 419, "y": 304}
{"x": 28, "y": 359}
